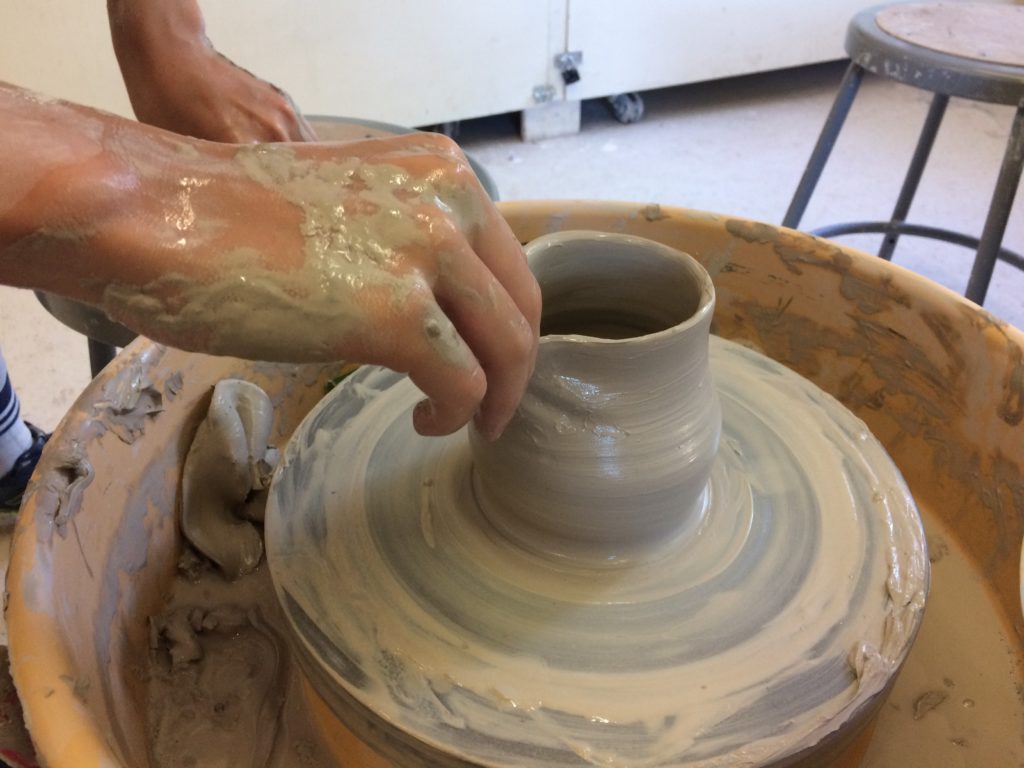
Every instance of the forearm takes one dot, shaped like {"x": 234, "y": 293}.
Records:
{"x": 144, "y": 30}
{"x": 152, "y": 227}
{"x": 178, "y": 81}
{"x": 76, "y": 188}
{"x": 57, "y": 182}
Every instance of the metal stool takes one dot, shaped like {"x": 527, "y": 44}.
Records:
{"x": 969, "y": 50}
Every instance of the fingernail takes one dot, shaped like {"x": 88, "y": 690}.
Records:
{"x": 423, "y": 416}
{"x": 490, "y": 432}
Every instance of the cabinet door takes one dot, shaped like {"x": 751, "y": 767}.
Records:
{"x": 411, "y": 62}
{"x": 655, "y": 43}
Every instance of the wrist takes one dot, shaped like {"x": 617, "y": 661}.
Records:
{"x": 87, "y": 198}
{"x": 146, "y": 31}
{"x": 54, "y": 182}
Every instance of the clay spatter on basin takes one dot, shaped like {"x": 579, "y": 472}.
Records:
{"x": 222, "y": 689}
{"x": 774, "y": 607}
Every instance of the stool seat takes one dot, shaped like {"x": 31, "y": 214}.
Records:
{"x": 970, "y": 50}
{"x": 966, "y": 50}
{"x": 982, "y": 31}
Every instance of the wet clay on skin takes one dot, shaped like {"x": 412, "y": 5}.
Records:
{"x": 358, "y": 221}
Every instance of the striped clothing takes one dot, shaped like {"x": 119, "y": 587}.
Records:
{"x": 15, "y": 438}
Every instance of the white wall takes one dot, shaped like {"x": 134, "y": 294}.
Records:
{"x": 644, "y": 44}
{"x": 61, "y": 48}
{"x": 424, "y": 61}
{"x": 405, "y": 61}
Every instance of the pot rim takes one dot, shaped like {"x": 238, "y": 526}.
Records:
{"x": 706, "y": 303}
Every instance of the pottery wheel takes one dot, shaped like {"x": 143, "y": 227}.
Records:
{"x": 760, "y": 630}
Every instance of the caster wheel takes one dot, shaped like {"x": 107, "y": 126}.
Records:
{"x": 626, "y": 107}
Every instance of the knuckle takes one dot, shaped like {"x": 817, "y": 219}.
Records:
{"x": 473, "y": 387}
{"x": 444, "y": 230}
{"x": 450, "y": 152}
{"x": 462, "y": 173}
{"x": 419, "y": 300}
{"x": 439, "y": 143}
{"x": 533, "y": 300}
{"x": 522, "y": 342}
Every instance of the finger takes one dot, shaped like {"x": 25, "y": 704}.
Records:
{"x": 442, "y": 365}
{"x": 408, "y": 332}
{"x": 299, "y": 128}
{"x": 489, "y": 233}
{"x": 496, "y": 331}
{"x": 499, "y": 249}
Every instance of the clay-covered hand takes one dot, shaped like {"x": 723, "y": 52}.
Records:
{"x": 384, "y": 251}
{"x": 177, "y": 80}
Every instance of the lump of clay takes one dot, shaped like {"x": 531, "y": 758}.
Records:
{"x": 227, "y": 461}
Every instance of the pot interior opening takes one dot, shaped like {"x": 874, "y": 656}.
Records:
{"x": 616, "y": 289}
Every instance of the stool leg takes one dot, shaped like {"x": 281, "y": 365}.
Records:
{"x": 998, "y": 212}
{"x": 829, "y": 133}
{"x": 99, "y": 355}
{"x": 913, "y": 178}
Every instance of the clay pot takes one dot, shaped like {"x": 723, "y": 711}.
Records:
{"x": 620, "y": 422}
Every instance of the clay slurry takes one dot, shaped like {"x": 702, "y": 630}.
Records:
{"x": 606, "y": 324}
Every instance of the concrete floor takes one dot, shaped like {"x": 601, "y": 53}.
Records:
{"x": 735, "y": 146}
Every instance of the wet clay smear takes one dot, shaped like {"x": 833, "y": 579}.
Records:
{"x": 221, "y": 688}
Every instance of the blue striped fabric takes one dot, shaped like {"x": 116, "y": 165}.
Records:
{"x": 10, "y": 409}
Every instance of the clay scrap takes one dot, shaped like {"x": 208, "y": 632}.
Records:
{"x": 227, "y": 464}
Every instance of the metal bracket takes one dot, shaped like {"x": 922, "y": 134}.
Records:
{"x": 569, "y": 63}
{"x": 543, "y": 93}
{"x": 569, "y": 60}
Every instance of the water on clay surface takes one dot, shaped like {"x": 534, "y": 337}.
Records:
{"x": 601, "y": 325}
{"x": 240, "y": 705}
{"x": 957, "y": 701}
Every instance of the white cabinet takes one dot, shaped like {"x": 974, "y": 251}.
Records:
{"x": 418, "y": 62}
{"x": 413, "y": 62}
{"x": 644, "y": 44}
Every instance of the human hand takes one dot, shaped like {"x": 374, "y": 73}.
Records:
{"x": 176, "y": 80}
{"x": 384, "y": 251}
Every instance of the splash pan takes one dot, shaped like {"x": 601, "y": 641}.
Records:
{"x": 939, "y": 382}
